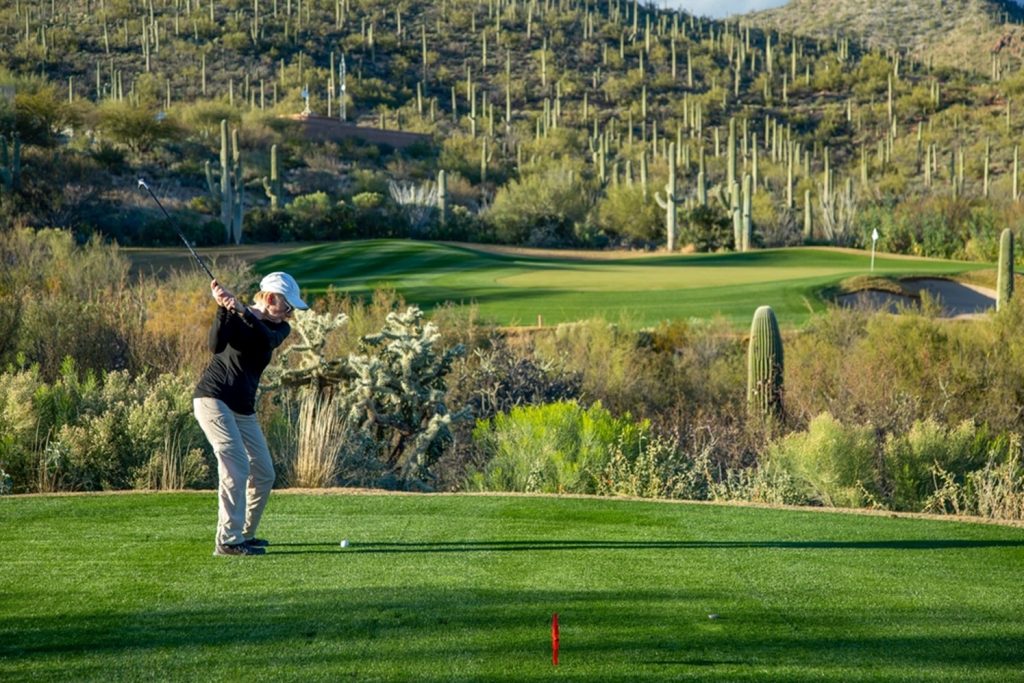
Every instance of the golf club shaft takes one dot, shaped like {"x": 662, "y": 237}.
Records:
{"x": 180, "y": 234}
{"x": 142, "y": 183}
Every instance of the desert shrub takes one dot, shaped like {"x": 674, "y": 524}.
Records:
{"x": 86, "y": 431}
{"x": 625, "y": 211}
{"x": 494, "y": 378}
{"x": 672, "y": 370}
{"x": 558, "y": 447}
{"x": 541, "y": 209}
{"x": 169, "y": 333}
{"x": 607, "y": 358}
{"x": 883, "y": 370}
{"x": 164, "y": 232}
{"x": 910, "y": 458}
{"x": 995, "y": 490}
{"x": 778, "y": 227}
{"x": 939, "y": 226}
{"x": 650, "y": 468}
{"x": 377, "y": 217}
{"x": 167, "y": 441}
{"x": 267, "y": 225}
{"x": 767, "y": 483}
{"x": 315, "y": 217}
{"x": 18, "y": 425}
{"x": 139, "y": 129}
{"x": 462, "y": 225}
{"x": 41, "y": 111}
{"x": 833, "y": 462}
{"x": 503, "y": 377}
{"x": 707, "y": 228}
{"x": 68, "y": 300}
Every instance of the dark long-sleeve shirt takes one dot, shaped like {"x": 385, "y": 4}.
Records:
{"x": 241, "y": 347}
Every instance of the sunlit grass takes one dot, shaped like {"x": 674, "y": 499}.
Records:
{"x": 641, "y": 291}
{"x": 462, "y": 588}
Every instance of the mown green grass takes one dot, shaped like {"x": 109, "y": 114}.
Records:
{"x": 514, "y": 290}
{"x": 462, "y": 588}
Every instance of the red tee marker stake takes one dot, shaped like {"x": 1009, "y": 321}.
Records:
{"x": 554, "y": 639}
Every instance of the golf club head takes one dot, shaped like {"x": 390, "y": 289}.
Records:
{"x": 142, "y": 183}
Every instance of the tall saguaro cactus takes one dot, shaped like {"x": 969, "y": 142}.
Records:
{"x": 747, "y": 230}
{"x": 231, "y": 193}
{"x": 1004, "y": 286}
{"x": 273, "y": 186}
{"x": 764, "y": 366}
{"x": 671, "y": 200}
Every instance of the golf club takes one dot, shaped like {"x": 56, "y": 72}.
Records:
{"x": 142, "y": 183}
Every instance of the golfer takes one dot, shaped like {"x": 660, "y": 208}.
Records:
{"x": 242, "y": 340}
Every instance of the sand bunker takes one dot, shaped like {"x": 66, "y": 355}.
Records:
{"x": 956, "y": 299}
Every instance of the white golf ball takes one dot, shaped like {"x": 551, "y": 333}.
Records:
{"x": 344, "y": 543}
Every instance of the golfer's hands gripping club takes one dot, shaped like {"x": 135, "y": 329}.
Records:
{"x": 226, "y": 299}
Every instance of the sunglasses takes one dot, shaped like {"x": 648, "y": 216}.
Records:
{"x": 281, "y": 301}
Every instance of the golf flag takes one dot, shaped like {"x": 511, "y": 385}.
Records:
{"x": 874, "y": 239}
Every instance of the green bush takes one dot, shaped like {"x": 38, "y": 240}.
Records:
{"x": 63, "y": 300}
{"x": 995, "y": 491}
{"x": 707, "y": 228}
{"x": 267, "y": 225}
{"x": 625, "y": 211}
{"x": 554, "y": 448}
{"x": 649, "y": 468}
{"x": 541, "y": 209}
{"x": 89, "y": 432}
{"x": 910, "y": 458}
{"x": 833, "y": 462}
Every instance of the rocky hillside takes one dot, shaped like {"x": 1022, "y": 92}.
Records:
{"x": 956, "y": 33}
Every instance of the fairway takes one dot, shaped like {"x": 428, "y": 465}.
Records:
{"x": 462, "y": 588}
{"x": 640, "y": 291}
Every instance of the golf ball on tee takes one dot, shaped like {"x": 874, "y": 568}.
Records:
{"x": 344, "y": 543}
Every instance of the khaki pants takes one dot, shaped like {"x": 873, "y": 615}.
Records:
{"x": 244, "y": 468}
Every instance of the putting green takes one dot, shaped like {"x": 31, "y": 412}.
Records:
{"x": 512, "y": 289}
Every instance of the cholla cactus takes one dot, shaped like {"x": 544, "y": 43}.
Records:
{"x": 312, "y": 368}
{"x": 398, "y": 394}
{"x": 388, "y": 404}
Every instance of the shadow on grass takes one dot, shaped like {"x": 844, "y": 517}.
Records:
{"x": 472, "y": 633}
{"x": 384, "y": 547}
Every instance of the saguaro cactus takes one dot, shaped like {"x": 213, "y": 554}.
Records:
{"x": 764, "y": 366}
{"x": 671, "y": 200}
{"x": 1004, "y": 286}
{"x": 231, "y": 192}
{"x": 273, "y": 186}
{"x": 747, "y": 230}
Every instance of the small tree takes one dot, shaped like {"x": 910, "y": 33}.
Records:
{"x": 137, "y": 128}
{"x": 708, "y": 229}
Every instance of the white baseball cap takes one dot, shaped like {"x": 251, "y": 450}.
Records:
{"x": 285, "y": 285}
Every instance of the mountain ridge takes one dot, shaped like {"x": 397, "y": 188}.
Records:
{"x": 968, "y": 34}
